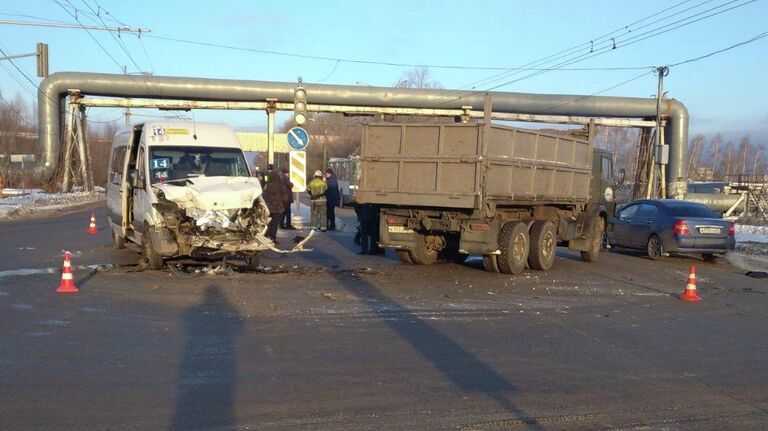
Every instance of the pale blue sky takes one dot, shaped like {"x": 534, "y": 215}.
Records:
{"x": 724, "y": 93}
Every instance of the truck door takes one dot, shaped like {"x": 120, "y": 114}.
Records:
{"x": 607, "y": 183}
{"x": 140, "y": 194}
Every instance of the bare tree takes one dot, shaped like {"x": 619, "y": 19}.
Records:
{"x": 419, "y": 77}
{"x": 717, "y": 141}
{"x": 744, "y": 148}
{"x": 16, "y": 137}
{"x": 728, "y": 162}
{"x": 758, "y": 159}
{"x": 694, "y": 151}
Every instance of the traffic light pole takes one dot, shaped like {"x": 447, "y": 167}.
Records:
{"x": 271, "y": 108}
{"x": 42, "y": 59}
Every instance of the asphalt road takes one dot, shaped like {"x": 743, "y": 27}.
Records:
{"x": 335, "y": 341}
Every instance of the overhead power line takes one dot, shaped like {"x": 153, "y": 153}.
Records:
{"x": 633, "y": 38}
{"x": 628, "y": 28}
{"x": 736, "y": 45}
{"x": 690, "y": 60}
{"x": 76, "y": 26}
{"x": 117, "y": 40}
{"x": 359, "y": 61}
{"x": 73, "y": 15}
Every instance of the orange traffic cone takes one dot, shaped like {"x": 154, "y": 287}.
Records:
{"x": 67, "y": 284}
{"x": 689, "y": 294}
{"x": 92, "y": 226}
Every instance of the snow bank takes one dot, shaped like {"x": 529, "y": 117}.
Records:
{"x": 39, "y": 203}
{"x": 751, "y": 233}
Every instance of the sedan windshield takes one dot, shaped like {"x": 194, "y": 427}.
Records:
{"x": 168, "y": 163}
{"x": 692, "y": 211}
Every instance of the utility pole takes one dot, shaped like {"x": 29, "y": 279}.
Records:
{"x": 271, "y": 108}
{"x": 662, "y": 151}
{"x": 127, "y": 110}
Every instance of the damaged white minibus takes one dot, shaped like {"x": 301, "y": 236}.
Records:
{"x": 184, "y": 189}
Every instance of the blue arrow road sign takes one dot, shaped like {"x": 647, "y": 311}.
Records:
{"x": 298, "y": 138}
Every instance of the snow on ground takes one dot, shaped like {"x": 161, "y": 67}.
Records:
{"x": 751, "y": 253}
{"x": 38, "y": 203}
{"x": 751, "y": 233}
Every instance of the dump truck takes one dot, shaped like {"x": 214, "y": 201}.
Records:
{"x": 511, "y": 195}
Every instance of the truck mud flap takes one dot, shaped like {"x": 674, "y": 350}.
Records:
{"x": 477, "y": 237}
{"x": 399, "y": 237}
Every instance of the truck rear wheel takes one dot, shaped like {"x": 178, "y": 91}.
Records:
{"x": 490, "y": 263}
{"x": 543, "y": 245}
{"x": 515, "y": 244}
{"x": 405, "y": 256}
{"x": 423, "y": 254}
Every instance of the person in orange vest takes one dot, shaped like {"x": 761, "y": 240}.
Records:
{"x": 317, "y": 189}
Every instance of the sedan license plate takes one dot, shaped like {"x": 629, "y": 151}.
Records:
{"x": 709, "y": 230}
{"x": 399, "y": 229}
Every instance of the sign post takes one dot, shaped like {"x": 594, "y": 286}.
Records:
{"x": 298, "y": 140}
{"x": 298, "y": 176}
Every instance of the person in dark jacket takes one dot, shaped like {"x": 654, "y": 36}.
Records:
{"x": 275, "y": 197}
{"x": 333, "y": 198}
{"x": 285, "y": 221}
{"x": 368, "y": 216}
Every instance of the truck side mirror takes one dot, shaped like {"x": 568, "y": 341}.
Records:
{"x": 622, "y": 174}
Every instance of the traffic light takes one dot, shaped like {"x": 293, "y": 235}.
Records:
{"x": 42, "y": 60}
{"x": 300, "y": 105}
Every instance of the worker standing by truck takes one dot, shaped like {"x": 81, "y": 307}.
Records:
{"x": 332, "y": 198}
{"x": 368, "y": 216}
{"x": 317, "y": 189}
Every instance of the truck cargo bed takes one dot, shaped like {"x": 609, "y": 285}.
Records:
{"x": 466, "y": 165}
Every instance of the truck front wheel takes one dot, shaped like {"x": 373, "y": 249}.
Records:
{"x": 597, "y": 243}
{"x": 515, "y": 244}
{"x": 543, "y": 245}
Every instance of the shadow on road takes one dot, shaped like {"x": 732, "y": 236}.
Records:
{"x": 461, "y": 367}
{"x": 205, "y": 387}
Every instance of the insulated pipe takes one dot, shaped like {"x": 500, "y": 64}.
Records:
{"x": 55, "y": 87}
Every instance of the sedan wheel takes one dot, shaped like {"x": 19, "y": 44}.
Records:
{"x": 709, "y": 257}
{"x": 654, "y": 247}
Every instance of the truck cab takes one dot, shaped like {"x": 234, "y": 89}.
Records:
{"x": 603, "y": 184}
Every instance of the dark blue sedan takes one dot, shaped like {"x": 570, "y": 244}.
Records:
{"x": 661, "y": 226}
